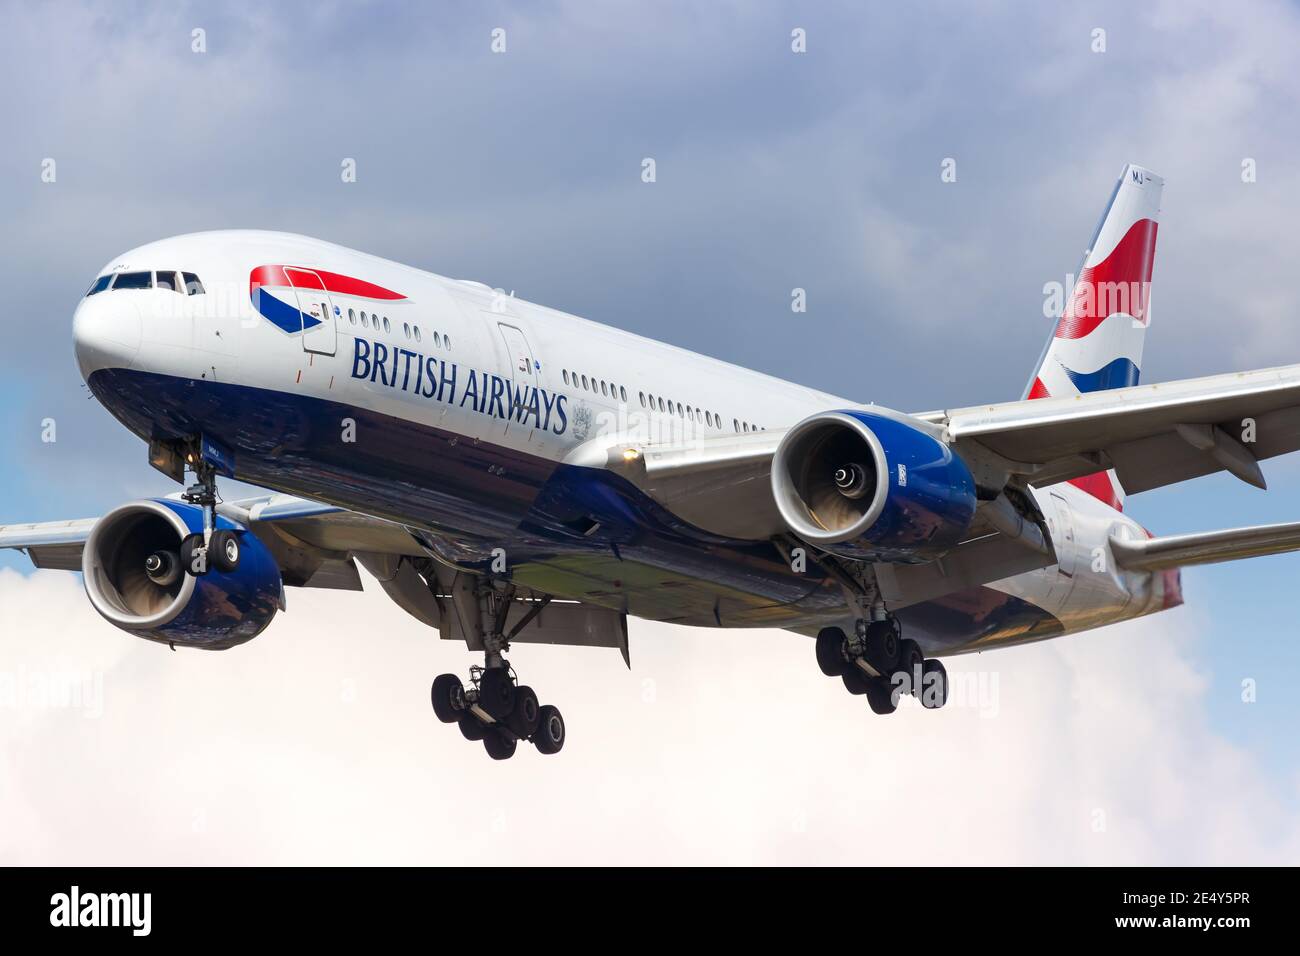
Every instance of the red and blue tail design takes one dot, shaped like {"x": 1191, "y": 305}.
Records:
{"x": 1098, "y": 341}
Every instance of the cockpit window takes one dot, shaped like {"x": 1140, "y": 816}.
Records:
{"x": 99, "y": 285}
{"x": 167, "y": 280}
{"x": 133, "y": 280}
{"x": 192, "y": 284}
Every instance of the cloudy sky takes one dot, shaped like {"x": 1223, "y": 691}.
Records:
{"x": 775, "y": 170}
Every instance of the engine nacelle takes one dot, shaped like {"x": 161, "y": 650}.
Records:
{"x": 133, "y": 577}
{"x": 871, "y": 486}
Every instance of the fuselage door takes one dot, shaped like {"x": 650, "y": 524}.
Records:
{"x": 523, "y": 408}
{"x": 317, "y": 309}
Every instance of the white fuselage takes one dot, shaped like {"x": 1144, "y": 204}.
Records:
{"x": 585, "y": 378}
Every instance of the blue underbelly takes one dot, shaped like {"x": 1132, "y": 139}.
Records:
{"x": 578, "y": 533}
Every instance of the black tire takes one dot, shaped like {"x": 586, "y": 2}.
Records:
{"x": 934, "y": 684}
{"x": 471, "y": 728}
{"x": 830, "y": 651}
{"x": 549, "y": 736}
{"x": 855, "y": 681}
{"x": 224, "y": 551}
{"x": 910, "y": 662}
{"x": 498, "y": 745}
{"x": 883, "y": 645}
{"x": 448, "y": 695}
{"x": 524, "y": 718}
{"x": 496, "y": 693}
{"x": 191, "y": 547}
{"x": 881, "y": 696}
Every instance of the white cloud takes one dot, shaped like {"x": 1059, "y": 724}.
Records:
{"x": 316, "y": 744}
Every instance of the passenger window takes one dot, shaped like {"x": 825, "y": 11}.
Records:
{"x": 584, "y": 381}
{"x": 437, "y": 339}
{"x": 661, "y": 403}
{"x": 603, "y": 389}
{"x": 134, "y": 280}
{"x": 168, "y": 281}
{"x": 417, "y": 334}
{"x": 565, "y": 373}
{"x": 99, "y": 285}
{"x": 406, "y": 329}
{"x": 446, "y": 341}
{"x": 365, "y": 322}
{"x": 387, "y": 327}
{"x": 192, "y": 284}
{"x": 352, "y": 316}
{"x": 622, "y": 393}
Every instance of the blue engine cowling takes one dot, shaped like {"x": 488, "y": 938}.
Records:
{"x": 215, "y": 611}
{"x": 872, "y": 486}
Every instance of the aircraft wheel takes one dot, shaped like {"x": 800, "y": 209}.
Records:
{"x": 448, "y": 695}
{"x": 883, "y": 645}
{"x": 496, "y": 693}
{"x": 855, "y": 682}
{"x": 549, "y": 736}
{"x": 191, "y": 555}
{"x": 881, "y": 696}
{"x": 224, "y": 551}
{"x": 830, "y": 651}
{"x": 498, "y": 745}
{"x": 934, "y": 684}
{"x": 910, "y": 662}
{"x": 523, "y": 719}
{"x": 471, "y": 728}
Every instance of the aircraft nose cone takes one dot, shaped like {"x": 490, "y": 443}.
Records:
{"x": 106, "y": 333}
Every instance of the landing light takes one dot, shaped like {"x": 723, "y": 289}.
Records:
{"x": 631, "y": 454}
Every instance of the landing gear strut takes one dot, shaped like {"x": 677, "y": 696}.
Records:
{"x": 495, "y": 708}
{"x": 877, "y": 662}
{"x": 213, "y": 548}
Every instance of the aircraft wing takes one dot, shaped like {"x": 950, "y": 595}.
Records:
{"x": 318, "y": 546}
{"x": 50, "y": 544}
{"x": 312, "y": 542}
{"x": 1152, "y": 435}
{"x": 720, "y": 483}
{"x": 1210, "y": 547}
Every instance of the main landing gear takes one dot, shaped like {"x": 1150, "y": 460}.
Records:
{"x": 498, "y": 710}
{"x": 879, "y": 663}
{"x": 495, "y": 708}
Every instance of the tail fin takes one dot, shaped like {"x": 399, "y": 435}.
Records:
{"x": 1097, "y": 344}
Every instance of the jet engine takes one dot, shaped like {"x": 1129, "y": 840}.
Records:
{"x": 134, "y": 578}
{"x": 871, "y": 485}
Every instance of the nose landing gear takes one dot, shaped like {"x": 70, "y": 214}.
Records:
{"x": 200, "y": 553}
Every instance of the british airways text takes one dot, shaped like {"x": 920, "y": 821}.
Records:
{"x": 430, "y": 377}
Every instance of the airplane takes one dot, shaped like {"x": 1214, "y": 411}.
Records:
{"x": 511, "y": 474}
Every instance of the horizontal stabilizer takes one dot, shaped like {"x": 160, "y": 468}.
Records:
{"x": 1208, "y": 547}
